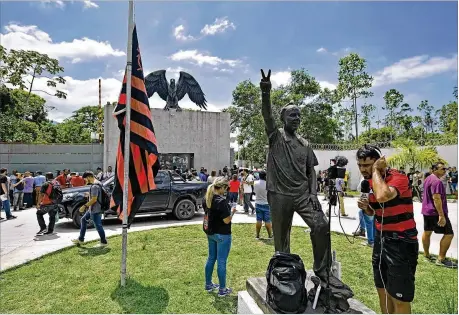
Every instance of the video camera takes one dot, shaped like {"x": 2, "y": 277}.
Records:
{"x": 337, "y": 167}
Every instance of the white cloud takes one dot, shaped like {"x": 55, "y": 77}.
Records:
{"x": 322, "y": 50}
{"x": 157, "y": 102}
{"x": 86, "y": 92}
{"x": 30, "y": 37}
{"x": 416, "y": 67}
{"x": 79, "y": 93}
{"x": 284, "y": 78}
{"x": 179, "y": 34}
{"x": 57, "y": 3}
{"x": 280, "y": 78}
{"x": 219, "y": 26}
{"x": 87, "y": 4}
{"x": 175, "y": 71}
{"x": 194, "y": 56}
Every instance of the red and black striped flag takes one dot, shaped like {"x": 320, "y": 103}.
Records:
{"x": 143, "y": 160}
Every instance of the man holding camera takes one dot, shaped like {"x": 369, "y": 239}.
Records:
{"x": 396, "y": 247}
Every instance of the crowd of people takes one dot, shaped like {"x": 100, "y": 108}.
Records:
{"x": 386, "y": 214}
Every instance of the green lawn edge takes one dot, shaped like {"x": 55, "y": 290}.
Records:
{"x": 166, "y": 275}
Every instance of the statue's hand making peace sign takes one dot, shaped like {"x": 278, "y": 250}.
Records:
{"x": 265, "y": 83}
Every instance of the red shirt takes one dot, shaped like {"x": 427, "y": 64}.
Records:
{"x": 77, "y": 181}
{"x": 398, "y": 212}
{"x": 62, "y": 180}
{"x": 46, "y": 201}
{"x": 234, "y": 186}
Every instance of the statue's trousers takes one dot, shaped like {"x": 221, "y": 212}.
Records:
{"x": 282, "y": 209}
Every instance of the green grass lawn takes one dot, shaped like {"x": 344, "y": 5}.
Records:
{"x": 166, "y": 275}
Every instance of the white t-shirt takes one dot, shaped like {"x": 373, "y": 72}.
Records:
{"x": 261, "y": 193}
{"x": 248, "y": 188}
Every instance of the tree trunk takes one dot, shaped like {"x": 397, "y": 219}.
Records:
{"x": 30, "y": 88}
{"x": 356, "y": 120}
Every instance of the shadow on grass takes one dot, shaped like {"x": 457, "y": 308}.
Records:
{"x": 93, "y": 251}
{"x": 225, "y": 305}
{"x": 139, "y": 299}
{"x": 267, "y": 241}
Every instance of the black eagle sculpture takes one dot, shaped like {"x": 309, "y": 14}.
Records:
{"x": 156, "y": 82}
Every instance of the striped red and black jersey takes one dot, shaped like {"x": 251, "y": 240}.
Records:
{"x": 395, "y": 215}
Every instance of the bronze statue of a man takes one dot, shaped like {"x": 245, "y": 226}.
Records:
{"x": 292, "y": 182}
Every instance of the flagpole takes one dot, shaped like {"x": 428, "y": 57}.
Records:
{"x": 127, "y": 140}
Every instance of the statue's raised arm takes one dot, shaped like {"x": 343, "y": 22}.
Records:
{"x": 265, "y": 86}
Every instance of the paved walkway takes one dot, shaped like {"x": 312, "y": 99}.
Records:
{"x": 19, "y": 244}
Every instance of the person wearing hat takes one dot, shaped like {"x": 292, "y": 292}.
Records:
{"x": 93, "y": 211}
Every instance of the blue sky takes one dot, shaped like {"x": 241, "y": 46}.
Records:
{"x": 409, "y": 46}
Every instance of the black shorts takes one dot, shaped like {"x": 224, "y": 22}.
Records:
{"x": 431, "y": 224}
{"x": 396, "y": 267}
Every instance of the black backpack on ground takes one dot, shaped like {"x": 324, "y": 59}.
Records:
{"x": 104, "y": 197}
{"x": 286, "y": 277}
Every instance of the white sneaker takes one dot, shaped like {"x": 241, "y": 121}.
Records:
{"x": 101, "y": 245}
{"x": 77, "y": 242}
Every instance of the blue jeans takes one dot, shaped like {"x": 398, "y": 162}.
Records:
{"x": 367, "y": 223}
{"x": 7, "y": 208}
{"x": 97, "y": 219}
{"x": 219, "y": 248}
{"x": 232, "y": 196}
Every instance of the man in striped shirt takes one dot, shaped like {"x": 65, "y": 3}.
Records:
{"x": 396, "y": 247}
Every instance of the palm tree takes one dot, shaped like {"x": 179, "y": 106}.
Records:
{"x": 411, "y": 155}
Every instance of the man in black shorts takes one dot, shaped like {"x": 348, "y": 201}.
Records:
{"x": 435, "y": 211}
{"x": 396, "y": 247}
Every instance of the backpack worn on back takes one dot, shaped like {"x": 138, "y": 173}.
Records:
{"x": 286, "y": 277}
{"x": 104, "y": 199}
{"x": 55, "y": 195}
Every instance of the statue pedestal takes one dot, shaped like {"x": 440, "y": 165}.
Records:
{"x": 253, "y": 301}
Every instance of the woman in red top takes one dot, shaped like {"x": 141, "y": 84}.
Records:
{"x": 233, "y": 189}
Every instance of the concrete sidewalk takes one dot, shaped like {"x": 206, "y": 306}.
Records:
{"x": 19, "y": 243}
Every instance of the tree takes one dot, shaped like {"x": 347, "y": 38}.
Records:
{"x": 34, "y": 110}
{"x": 428, "y": 120}
{"x": 367, "y": 115}
{"x": 24, "y": 64}
{"x": 354, "y": 82}
{"x": 447, "y": 118}
{"x": 88, "y": 117}
{"x": 393, "y": 99}
{"x": 384, "y": 134}
{"x": 69, "y": 131}
{"x": 6, "y": 103}
{"x": 246, "y": 119}
{"x": 411, "y": 155}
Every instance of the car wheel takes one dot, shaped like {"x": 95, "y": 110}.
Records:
{"x": 77, "y": 218}
{"x": 184, "y": 209}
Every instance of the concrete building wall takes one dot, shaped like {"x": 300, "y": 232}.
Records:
{"x": 50, "y": 157}
{"x": 204, "y": 134}
{"x": 449, "y": 153}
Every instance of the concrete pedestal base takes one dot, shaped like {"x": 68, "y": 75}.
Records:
{"x": 253, "y": 301}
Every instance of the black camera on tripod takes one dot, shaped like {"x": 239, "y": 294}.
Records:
{"x": 337, "y": 167}
{"x": 336, "y": 170}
